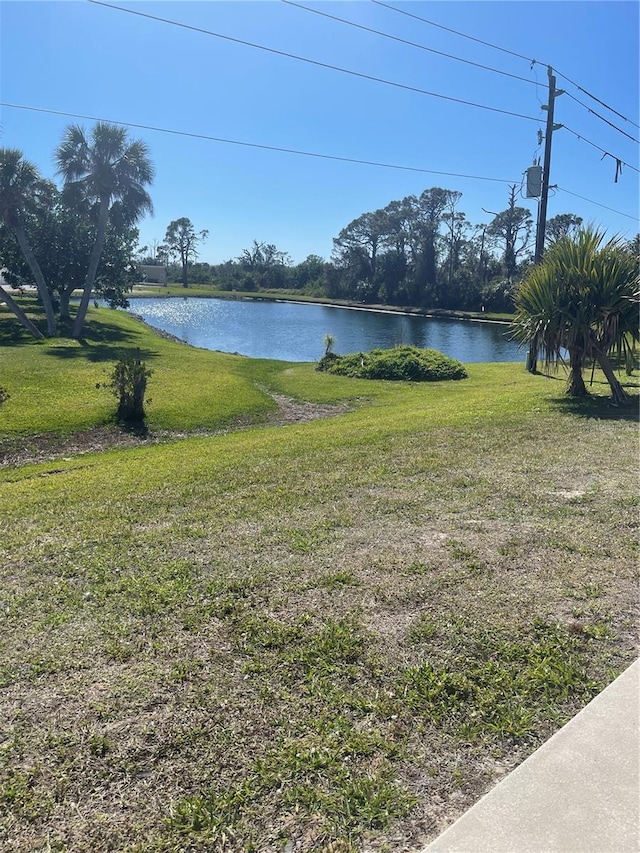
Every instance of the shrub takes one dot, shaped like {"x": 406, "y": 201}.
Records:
{"x": 4, "y": 395}
{"x": 400, "y": 363}
{"x": 129, "y": 384}
{"x": 327, "y": 360}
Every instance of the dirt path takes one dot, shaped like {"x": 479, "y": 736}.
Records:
{"x": 46, "y": 447}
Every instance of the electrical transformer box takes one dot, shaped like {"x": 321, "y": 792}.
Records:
{"x": 534, "y": 181}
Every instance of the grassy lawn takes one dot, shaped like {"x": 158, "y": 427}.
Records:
{"x": 327, "y": 636}
{"x": 53, "y": 383}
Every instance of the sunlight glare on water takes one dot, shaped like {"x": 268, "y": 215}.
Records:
{"x": 290, "y": 331}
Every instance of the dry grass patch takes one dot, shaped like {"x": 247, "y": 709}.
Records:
{"x": 332, "y": 636}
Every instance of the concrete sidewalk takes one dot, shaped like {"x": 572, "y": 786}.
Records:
{"x": 578, "y": 793}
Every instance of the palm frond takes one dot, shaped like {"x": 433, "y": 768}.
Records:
{"x": 107, "y": 167}
{"x": 20, "y": 184}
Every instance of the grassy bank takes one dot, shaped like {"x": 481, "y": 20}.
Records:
{"x": 331, "y": 635}
{"x": 53, "y": 383}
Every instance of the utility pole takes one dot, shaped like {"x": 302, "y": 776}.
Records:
{"x": 532, "y": 355}
{"x": 542, "y": 211}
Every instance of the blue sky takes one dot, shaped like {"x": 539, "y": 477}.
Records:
{"x": 77, "y": 57}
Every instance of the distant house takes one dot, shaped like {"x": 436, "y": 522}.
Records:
{"x": 154, "y": 273}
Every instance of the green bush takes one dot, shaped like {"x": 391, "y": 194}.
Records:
{"x": 400, "y": 363}
{"x": 129, "y": 384}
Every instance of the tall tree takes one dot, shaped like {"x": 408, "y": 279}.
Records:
{"x": 512, "y": 229}
{"x": 107, "y": 168}
{"x": 356, "y": 249}
{"x": 456, "y": 225}
{"x": 427, "y": 212}
{"x": 181, "y": 241}
{"x": 582, "y": 298}
{"x": 480, "y": 257}
{"x": 393, "y": 265}
{"x": 20, "y": 184}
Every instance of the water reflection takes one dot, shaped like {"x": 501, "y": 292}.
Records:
{"x": 295, "y": 332}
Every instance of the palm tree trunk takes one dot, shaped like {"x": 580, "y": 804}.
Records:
{"x": 618, "y": 394}
{"x": 41, "y": 284}
{"x": 575, "y": 383}
{"x": 22, "y": 317}
{"x": 92, "y": 269}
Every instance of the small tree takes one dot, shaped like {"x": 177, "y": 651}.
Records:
{"x": 64, "y": 236}
{"x": 129, "y": 384}
{"x": 329, "y": 343}
{"x": 266, "y": 265}
{"x": 181, "y": 241}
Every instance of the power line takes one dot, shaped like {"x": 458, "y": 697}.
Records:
{"x": 602, "y": 118}
{"x": 591, "y": 201}
{"x": 409, "y": 43}
{"x": 603, "y": 150}
{"x": 253, "y": 144}
{"x": 506, "y": 50}
{"x": 456, "y": 32}
{"x": 287, "y": 150}
{"x": 313, "y": 61}
{"x": 452, "y": 56}
{"x": 593, "y": 97}
{"x": 619, "y": 161}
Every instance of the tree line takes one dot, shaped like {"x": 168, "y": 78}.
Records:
{"x": 420, "y": 251}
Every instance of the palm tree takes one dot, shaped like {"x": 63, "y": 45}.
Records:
{"x": 582, "y": 299}
{"x": 615, "y": 299}
{"x": 20, "y": 183}
{"x": 106, "y": 169}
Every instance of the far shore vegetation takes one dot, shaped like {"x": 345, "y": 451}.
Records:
{"x": 417, "y": 254}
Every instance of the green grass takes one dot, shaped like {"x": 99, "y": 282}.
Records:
{"x": 307, "y": 633}
{"x": 53, "y": 383}
{"x": 492, "y": 681}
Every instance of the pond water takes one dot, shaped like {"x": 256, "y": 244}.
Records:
{"x": 295, "y": 332}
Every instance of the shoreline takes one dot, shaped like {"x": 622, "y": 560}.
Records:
{"x": 434, "y": 313}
